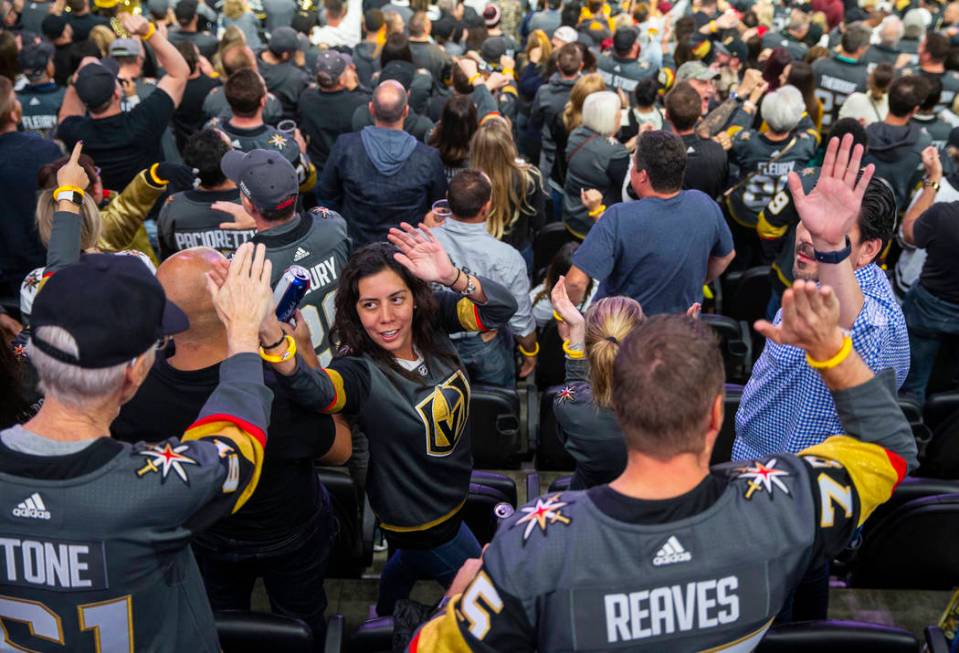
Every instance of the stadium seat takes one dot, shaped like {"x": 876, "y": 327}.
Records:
{"x": 736, "y": 345}
{"x": 913, "y": 413}
{"x": 723, "y": 449}
{"x": 746, "y": 294}
{"x": 335, "y": 634}
{"x": 561, "y": 484}
{"x": 910, "y": 489}
{"x": 913, "y": 547}
{"x": 941, "y": 455}
{"x": 550, "y": 452}
{"x": 253, "y": 632}
{"x": 551, "y": 363}
{"x": 482, "y": 511}
{"x": 532, "y": 486}
{"x": 936, "y": 641}
{"x": 837, "y": 637}
{"x": 353, "y": 549}
{"x": 940, "y": 408}
{"x": 548, "y": 241}
{"x": 494, "y": 420}
{"x": 372, "y": 636}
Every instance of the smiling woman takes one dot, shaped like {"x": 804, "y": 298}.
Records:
{"x": 398, "y": 372}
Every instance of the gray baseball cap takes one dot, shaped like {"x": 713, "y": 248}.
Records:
{"x": 265, "y": 177}
{"x": 126, "y": 48}
{"x": 695, "y": 70}
{"x": 330, "y": 64}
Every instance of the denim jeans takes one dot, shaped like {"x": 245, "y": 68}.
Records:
{"x": 488, "y": 363}
{"x": 930, "y": 321}
{"x": 293, "y": 577}
{"x": 406, "y": 566}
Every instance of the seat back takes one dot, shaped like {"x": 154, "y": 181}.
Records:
{"x": 495, "y": 427}
{"x": 837, "y": 637}
{"x": 735, "y": 344}
{"x": 723, "y": 449}
{"x": 353, "y": 548}
{"x": 746, "y": 294}
{"x": 936, "y": 641}
{"x": 483, "y": 510}
{"x": 241, "y": 631}
{"x": 548, "y": 241}
{"x": 551, "y": 363}
{"x": 914, "y": 547}
{"x": 941, "y": 455}
{"x": 910, "y": 489}
{"x": 372, "y": 636}
{"x": 550, "y": 452}
{"x": 561, "y": 484}
{"x": 940, "y": 408}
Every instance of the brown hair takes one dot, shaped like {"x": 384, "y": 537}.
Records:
{"x": 244, "y": 90}
{"x": 667, "y": 375}
{"x": 584, "y": 86}
{"x": 608, "y": 322}
{"x": 683, "y": 106}
{"x": 569, "y": 60}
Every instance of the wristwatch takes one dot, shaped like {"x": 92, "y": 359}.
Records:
{"x": 70, "y": 196}
{"x": 929, "y": 183}
{"x": 835, "y": 257}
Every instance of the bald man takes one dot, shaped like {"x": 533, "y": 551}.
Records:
{"x": 284, "y": 534}
{"x": 382, "y": 175}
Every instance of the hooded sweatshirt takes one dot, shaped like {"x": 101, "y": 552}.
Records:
{"x": 388, "y": 149}
{"x": 896, "y": 153}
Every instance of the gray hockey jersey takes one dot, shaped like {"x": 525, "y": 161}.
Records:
{"x": 836, "y": 79}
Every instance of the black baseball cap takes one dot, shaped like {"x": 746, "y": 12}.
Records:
{"x": 284, "y": 39}
{"x": 113, "y": 307}
{"x": 265, "y": 178}
{"x": 34, "y": 58}
{"x": 53, "y": 26}
{"x": 330, "y": 64}
{"x": 624, "y": 38}
{"x": 493, "y": 48}
{"x": 96, "y": 82}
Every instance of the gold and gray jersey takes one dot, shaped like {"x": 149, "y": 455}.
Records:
{"x": 41, "y": 106}
{"x": 836, "y": 79}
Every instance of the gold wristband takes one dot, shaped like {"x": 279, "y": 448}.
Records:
{"x": 150, "y": 32}
{"x": 573, "y": 354}
{"x": 155, "y": 177}
{"x": 598, "y": 211}
{"x": 836, "y": 360}
{"x": 529, "y": 354}
{"x": 557, "y": 316}
{"x": 473, "y": 78}
{"x": 285, "y": 356}
{"x": 79, "y": 191}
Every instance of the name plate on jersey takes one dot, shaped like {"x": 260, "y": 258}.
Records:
{"x": 639, "y": 616}
{"x": 53, "y": 564}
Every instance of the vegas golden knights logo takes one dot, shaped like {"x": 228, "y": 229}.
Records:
{"x": 444, "y": 413}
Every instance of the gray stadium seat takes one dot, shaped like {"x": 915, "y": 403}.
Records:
{"x": 837, "y": 637}
{"x": 241, "y": 631}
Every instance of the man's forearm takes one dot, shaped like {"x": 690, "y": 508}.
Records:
{"x": 169, "y": 58}
{"x": 72, "y": 105}
{"x": 926, "y": 199}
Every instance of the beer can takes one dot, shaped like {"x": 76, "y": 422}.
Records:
{"x": 289, "y": 292}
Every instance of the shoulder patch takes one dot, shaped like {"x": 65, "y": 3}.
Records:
{"x": 162, "y": 458}
{"x": 763, "y": 476}
{"x": 566, "y": 394}
{"x": 543, "y": 513}
{"x": 808, "y": 171}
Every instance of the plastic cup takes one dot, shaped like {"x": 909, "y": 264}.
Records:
{"x": 441, "y": 210}
{"x": 287, "y": 127}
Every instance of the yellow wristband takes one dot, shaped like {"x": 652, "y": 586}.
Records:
{"x": 509, "y": 72}
{"x": 150, "y": 32}
{"x": 155, "y": 177}
{"x": 557, "y": 316}
{"x": 574, "y": 354}
{"x": 598, "y": 211}
{"x": 285, "y": 356}
{"x": 474, "y": 77}
{"x": 713, "y": 27}
{"x": 529, "y": 354}
{"x": 836, "y": 360}
{"x": 75, "y": 189}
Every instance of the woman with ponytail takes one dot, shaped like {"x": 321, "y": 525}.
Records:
{"x": 583, "y": 408}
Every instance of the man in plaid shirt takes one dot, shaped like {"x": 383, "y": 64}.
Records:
{"x": 785, "y": 406}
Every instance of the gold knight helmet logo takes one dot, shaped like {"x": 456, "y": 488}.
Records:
{"x": 444, "y": 413}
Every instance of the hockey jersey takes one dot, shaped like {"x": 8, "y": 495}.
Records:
{"x": 187, "y": 220}
{"x": 417, "y": 423}
{"x": 836, "y": 79}
{"x": 41, "y": 106}
{"x": 267, "y": 137}
{"x": 317, "y": 241}
{"x": 563, "y": 575}
{"x": 95, "y": 545}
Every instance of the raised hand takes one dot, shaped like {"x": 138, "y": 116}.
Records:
{"x": 830, "y": 210}
{"x": 422, "y": 254}
{"x": 72, "y": 173}
{"x": 241, "y": 219}
{"x": 573, "y": 324}
{"x": 931, "y": 163}
{"x": 810, "y": 321}
{"x": 133, "y": 24}
{"x": 245, "y": 299}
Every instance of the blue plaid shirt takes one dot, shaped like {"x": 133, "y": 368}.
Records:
{"x": 786, "y": 407}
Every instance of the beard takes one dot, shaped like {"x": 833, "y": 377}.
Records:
{"x": 802, "y": 269}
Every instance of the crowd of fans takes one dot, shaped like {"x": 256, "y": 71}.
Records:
{"x": 454, "y": 182}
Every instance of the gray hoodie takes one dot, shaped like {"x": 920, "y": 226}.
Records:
{"x": 388, "y": 149}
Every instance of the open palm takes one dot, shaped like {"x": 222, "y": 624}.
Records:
{"x": 422, "y": 254}
{"x": 830, "y": 210}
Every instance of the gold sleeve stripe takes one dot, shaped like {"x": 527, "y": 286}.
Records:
{"x": 441, "y": 634}
{"x": 782, "y": 277}
{"x": 768, "y": 231}
{"x": 735, "y": 216}
{"x": 468, "y": 314}
{"x": 310, "y": 180}
{"x": 815, "y": 134}
{"x": 339, "y": 397}
{"x": 874, "y": 471}
{"x": 733, "y": 130}
{"x": 248, "y": 445}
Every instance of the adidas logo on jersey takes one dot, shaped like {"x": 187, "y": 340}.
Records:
{"x": 690, "y": 150}
{"x": 671, "y": 553}
{"x": 300, "y": 254}
{"x": 32, "y": 508}
{"x": 34, "y": 102}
